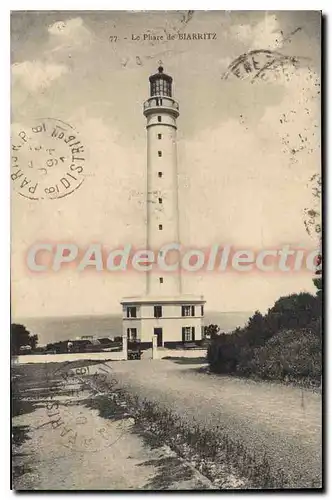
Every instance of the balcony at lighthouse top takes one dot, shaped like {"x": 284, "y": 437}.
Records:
{"x": 161, "y": 95}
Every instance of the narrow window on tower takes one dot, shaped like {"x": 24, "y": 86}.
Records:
{"x": 160, "y": 200}
{"x": 159, "y": 119}
{"x": 159, "y": 136}
{"x": 161, "y": 280}
{"x": 160, "y": 227}
{"x": 160, "y": 174}
{"x": 158, "y": 311}
{"x": 160, "y": 154}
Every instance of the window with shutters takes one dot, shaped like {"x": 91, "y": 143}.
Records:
{"x": 132, "y": 333}
{"x": 188, "y": 311}
{"x": 187, "y": 335}
{"x": 131, "y": 312}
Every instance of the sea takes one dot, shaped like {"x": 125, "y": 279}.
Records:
{"x": 69, "y": 328}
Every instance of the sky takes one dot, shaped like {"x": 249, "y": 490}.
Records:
{"x": 247, "y": 148}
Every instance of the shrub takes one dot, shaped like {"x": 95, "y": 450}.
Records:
{"x": 20, "y": 337}
{"x": 289, "y": 355}
{"x": 285, "y": 344}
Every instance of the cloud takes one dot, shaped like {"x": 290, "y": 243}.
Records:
{"x": 264, "y": 35}
{"x": 36, "y": 75}
{"x": 71, "y": 33}
{"x": 273, "y": 153}
{"x": 63, "y": 35}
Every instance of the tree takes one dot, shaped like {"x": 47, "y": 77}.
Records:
{"x": 20, "y": 336}
{"x": 256, "y": 330}
{"x": 295, "y": 311}
{"x": 33, "y": 341}
{"x": 211, "y": 331}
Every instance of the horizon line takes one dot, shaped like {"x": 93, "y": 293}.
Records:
{"x": 110, "y": 314}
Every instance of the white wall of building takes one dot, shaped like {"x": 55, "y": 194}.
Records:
{"x": 171, "y": 321}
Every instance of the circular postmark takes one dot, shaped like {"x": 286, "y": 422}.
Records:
{"x": 47, "y": 159}
{"x": 262, "y": 64}
{"x": 75, "y": 393}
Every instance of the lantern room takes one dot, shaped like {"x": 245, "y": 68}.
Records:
{"x": 160, "y": 84}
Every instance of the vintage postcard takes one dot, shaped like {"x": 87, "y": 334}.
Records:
{"x": 166, "y": 247}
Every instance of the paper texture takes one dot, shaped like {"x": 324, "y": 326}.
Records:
{"x": 166, "y": 250}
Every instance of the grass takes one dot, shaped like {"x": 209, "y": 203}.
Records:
{"x": 224, "y": 460}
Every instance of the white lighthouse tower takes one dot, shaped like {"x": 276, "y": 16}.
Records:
{"x": 164, "y": 311}
{"x": 161, "y": 112}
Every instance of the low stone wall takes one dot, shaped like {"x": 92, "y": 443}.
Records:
{"x": 111, "y": 356}
{"x": 182, "y": 353}
{"x": 175, "y": 353}
{"x": 60, "y": 358}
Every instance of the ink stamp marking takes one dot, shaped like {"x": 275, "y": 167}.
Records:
{"x": 261, "y": 64}
{"x": 77, "y": 427}
{"x": 48, "y": 160}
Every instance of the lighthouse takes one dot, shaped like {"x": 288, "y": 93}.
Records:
{"x": 161, "y": 112}
{"x": 164, "y": 312}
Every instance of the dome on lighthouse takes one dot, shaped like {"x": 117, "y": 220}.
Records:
{"x": 160, "y": 84}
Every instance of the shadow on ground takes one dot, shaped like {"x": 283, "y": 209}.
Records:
{"x": 169, "y": 471}
{"x": 186, "y": 361}
{"x": 20, "y": 434}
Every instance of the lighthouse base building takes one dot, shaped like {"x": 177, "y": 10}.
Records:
{"x": 174, "y": 320}
{"x": 164, "y": 313}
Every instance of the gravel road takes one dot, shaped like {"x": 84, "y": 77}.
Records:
{"x": 281, "y": 422}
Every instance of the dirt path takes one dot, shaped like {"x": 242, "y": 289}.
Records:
{"x": 61, "y": 442}
{"x": 279, "y": 422}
